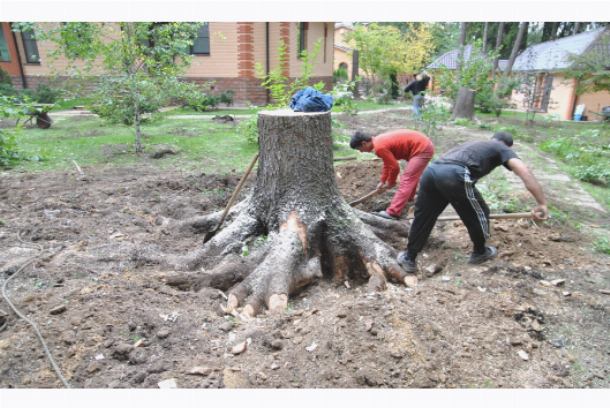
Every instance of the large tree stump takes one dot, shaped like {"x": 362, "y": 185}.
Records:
{"x": 295, "y": 222}
{"x": 464, "y": 104}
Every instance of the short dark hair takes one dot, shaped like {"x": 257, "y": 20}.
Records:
{"x": 503, "y": 137}
{"x": 358, "y": 138}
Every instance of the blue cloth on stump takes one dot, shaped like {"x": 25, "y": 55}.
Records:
{"x": 311, "y": 100}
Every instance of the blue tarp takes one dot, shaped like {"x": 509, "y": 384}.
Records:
{"x": 311, "y": 100}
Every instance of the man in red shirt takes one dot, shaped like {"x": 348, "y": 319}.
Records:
{"x": 400, "y": 144}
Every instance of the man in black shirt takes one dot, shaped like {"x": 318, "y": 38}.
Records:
{"x": 451, "y": 180}
{"x": 417, "y": 88}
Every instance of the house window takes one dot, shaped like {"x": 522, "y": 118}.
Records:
{"x": 303, "y": 27}
{"x": 201, "y": 46}
{"x": 4, "y": 54}
{"x": 30, "y": 47}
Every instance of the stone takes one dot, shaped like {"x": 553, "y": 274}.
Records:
{"x": 558, "y": 282}
{"x": 311, "y": 347}
{"x": 239, "y": 347}
{"x": 227, "y": 326}
{"x": 432, "y": 269}
{"x": 121, "y": 351}
{"x": 341, "y": 314}
{"x": 163, "y": 334}
{"x": 277, "y": 344}
{"x": 58, "y": 310}
{"x": 139, "y": 377}
{"x": 536, "y": 326}
{"x": 202, "y": 371}
{"x": 138, "y": 356}
{"x": 524, "y": 356}
{"x": 169, "y": 383}
{"x": 410, "y": 281}
{"x": 94, "y": 367}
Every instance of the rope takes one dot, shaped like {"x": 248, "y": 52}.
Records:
{"x": 30, "y": 322}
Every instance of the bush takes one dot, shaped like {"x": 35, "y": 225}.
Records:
{"x": 249, "y": 130}
{"x": 46, "y": 94}
{"x": 114, "y": 104}
{"x": 5, "y": 78}
{"x": 226, "y": 97}
{"x": 340, "y": 75}
{"x": 343, "y": 97}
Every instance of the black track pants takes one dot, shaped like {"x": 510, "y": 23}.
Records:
{"x": 443, "y": 184}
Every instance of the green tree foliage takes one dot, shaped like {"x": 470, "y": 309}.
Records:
{"x": 475, "y": 74}
{"x": 13, "y": 108}
{"x": 141, "y": 61}
{"x": 592, "y": 69}
{"x": 385, "y": 50}
{"x": 280, "y": 86}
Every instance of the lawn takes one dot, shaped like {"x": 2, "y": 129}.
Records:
{"x": 204, "y": 145}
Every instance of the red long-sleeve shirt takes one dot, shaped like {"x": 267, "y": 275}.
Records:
{"x": 401, "y": 144}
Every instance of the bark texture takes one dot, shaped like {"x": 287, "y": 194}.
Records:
{"x": 464, "y": 104}
{"x": 296, "y": 225}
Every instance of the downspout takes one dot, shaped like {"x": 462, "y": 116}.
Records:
{"x": 24, "y": 83}
{"x": 267, "y": 58}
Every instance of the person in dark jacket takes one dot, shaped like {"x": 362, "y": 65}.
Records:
{"x": 417, "y": 88}
{"x": 451, "y": 180}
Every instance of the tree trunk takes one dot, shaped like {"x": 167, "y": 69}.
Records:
{"x": 308, "y": 229}
{"x": 485, "y": 29}
{"x": 137, "y": 123}
{"x": 464, "y": 104}
{"x": 516, "y": 46}
{"x": 498, "y": 46}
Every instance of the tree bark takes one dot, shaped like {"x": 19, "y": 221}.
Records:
{"x": 485, "y": 29}
{"x": 295, "y": 221}
{"x": 499, "y": 36}
{"x": 464, "y": 104}
{"x": 516, "y": 46}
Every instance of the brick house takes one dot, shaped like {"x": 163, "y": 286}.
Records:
{"x": 224, "y": 52}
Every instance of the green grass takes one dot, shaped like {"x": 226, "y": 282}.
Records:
{"x": 204, "y": 145}
{"x": 219, "y": 111}
{"x": 70, "y": 104}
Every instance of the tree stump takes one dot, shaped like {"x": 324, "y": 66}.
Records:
{"x": 297, "y": 226}
{"x": 464, "y": 104}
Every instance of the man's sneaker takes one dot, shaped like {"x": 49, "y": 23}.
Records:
{"x": 384, "y": 214}
{"x": 405, "y": 263}
{"x": 490, "y": 252}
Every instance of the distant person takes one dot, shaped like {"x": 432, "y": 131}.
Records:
{"x": 451, "y": 180}
{"x": 401, "y": 144}
{"x": 418, "y": 87}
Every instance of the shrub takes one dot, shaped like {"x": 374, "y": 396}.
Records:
{"x": 46, "y": 94}
{"x": 249, "y": 130}
{"x": 340, "y": 75}
{"x": 115, "y": 104}
{"x": 226, "y": 97}
{"x": 343, "y": 96}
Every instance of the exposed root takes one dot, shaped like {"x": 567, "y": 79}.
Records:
{"x": 400, "y": 227}
{"x": 228, "y": 240}
{"x": 282, "y": 272}
{"x": 204, "y": 223}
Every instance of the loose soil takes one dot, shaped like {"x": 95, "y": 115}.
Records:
{"x": 111, "y": 323}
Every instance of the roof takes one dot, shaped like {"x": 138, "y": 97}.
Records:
{"x": 343, "y": 48}
{"x": 344, "y": 25}
{"x": 449, "y": 59}
{"x": 554, "y": 55}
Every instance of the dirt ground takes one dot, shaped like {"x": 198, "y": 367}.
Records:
{"x": 537, "y": 316}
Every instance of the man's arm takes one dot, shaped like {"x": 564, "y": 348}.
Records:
{"x": 390, "y": 168}
{"x": 541, "y": 211}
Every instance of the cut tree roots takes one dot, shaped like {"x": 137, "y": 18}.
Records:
{"x": 295, "y": 226}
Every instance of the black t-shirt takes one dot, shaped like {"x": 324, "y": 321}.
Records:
{"x": 480, "y": 157}
{"x": 417, "y": 86}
